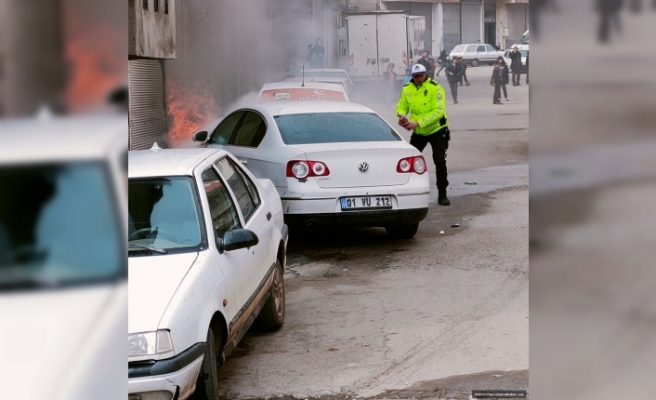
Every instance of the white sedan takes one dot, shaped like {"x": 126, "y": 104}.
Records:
{"x": 337, "y": 164}
{"x": 206, "y": 254}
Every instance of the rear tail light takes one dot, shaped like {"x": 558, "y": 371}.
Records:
{"x": 306, "y": 169}
{"x": 408, "y": 165}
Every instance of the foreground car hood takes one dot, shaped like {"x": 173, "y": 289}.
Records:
{"x": 48, "y": 336}
{"x": 152, "y": 283}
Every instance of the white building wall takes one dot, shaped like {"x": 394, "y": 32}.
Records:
{"x": 438, "y": 28}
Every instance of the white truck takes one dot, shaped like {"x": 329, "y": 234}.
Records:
{"x": 379, "y": 38}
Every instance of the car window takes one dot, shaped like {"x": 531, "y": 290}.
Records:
{"x": 243, "y": 188}
{"x": 223, "y": 132}
{"x": 471, "y": 49}
{"x": 251, "y": 127}
{"x": 481, "y": 48}
{"x": 58, "y": 225}
{"x": 163, "y": 212}
{"x": 222, "y": 209}
{"x": 458, "y": 49}
{"x": 490, "y": 48}
{"x": 524, "y": 52}
{"x": 334, "y": 128}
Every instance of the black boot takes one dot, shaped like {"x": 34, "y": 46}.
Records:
{"x": 442, "y": 199}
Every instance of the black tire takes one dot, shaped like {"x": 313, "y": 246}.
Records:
{"x": 272, "y": 316}
{"x": 474, "y": 62}
{"x": 403, "y": 231}
{"x": 207, "y": 385}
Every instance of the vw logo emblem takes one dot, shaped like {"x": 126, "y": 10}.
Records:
{"x": 363, "y": 167}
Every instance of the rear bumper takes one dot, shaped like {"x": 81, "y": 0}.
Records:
{"x": 358, "y": 219}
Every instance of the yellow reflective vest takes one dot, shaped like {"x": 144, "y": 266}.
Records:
{"x": 426, "y": 104}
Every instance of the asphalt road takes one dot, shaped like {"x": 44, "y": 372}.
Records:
{"x": 431, "y": 317}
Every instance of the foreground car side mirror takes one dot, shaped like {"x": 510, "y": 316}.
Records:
{"x": 200, "y": 136}
{"x": 237, "y": 239}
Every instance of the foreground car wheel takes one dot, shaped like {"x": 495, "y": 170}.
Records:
{"x": 207, "y": 385}
{"x": 402, "y": 232}
{"x": 272, "y": 315}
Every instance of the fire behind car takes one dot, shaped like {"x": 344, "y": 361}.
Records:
{"x": 333, "y": 164}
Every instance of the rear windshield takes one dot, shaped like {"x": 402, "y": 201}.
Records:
{"x": 334, "y": 128}
{"x": 458, "y": 49}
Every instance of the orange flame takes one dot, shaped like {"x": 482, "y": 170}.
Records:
{"x": 189, "y": 109}
{"x": 95, "y": 52}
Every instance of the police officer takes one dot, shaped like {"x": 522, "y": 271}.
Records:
{"x": 425, "y": 100}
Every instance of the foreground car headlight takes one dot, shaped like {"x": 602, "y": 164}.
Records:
{"x": 149, "y": 343}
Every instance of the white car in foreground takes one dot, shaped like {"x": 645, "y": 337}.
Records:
{"x": 332, "y": 163}
{"x": 206, "y": 254}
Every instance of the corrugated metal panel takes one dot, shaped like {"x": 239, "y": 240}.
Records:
{"x": 517, "y": 22}
{"x": 471, "y": 22}
{"x": 293, "y": 32}
{"x": 147, "y": 110}
{"x": 451, "y": 15}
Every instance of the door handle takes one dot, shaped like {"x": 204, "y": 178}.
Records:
{"x": 268, "y": 214}
{"x": 243, "y": 161}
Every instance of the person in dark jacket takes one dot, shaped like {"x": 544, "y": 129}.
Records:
{"x": 516, "y": 65}
{"x": 503, "y": 72}
{"x": 453, "y": 73}
{"x": 442, "y": 60}
{"x": 496, "y": 80}
{"x": 527, "y": 67}
{"x": 462, "y": 64}
{"x": 430, "y": 70}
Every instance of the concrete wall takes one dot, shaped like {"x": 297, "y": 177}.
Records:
{"x": 512, "y": 21}
{"x": 151, "y": 31}
{"x": 438, "y": 29}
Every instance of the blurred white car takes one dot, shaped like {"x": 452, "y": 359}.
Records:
{"x": 333, "y": 163}
{"x": 63, "y": 289}
{"x": 345, "y": 83}
{"x": 308, "y": 91}
{"x": 326, "y": 73}
{"x": 206, "y": 254}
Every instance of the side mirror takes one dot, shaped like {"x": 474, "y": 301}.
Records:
{"x": 201, "y": 136}
{"x": 237, "y": 239}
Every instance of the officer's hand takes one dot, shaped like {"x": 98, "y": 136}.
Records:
{"x": 411, "y": 125}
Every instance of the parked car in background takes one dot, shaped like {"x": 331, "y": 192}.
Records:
{"x": 334, "y": 164}
{"x": 475, "y": 54}
{"x": 206, "y": 255}
{"x": 345, "y": 83}
{"x": 325, "y": 72}
{"x": 63, "y": 278}
{"x": 308, "y": 91}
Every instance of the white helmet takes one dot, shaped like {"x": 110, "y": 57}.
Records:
{"x": 418, "y": 69}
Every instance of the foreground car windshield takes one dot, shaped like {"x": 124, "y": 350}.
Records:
{"x": 334, "y": 128}
{"x": 163, "y": 216}
{"x": 59, "y": 225}
{"x": 331, "y": 74}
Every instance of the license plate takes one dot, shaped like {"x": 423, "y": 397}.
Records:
{"x": 366, "y": 202}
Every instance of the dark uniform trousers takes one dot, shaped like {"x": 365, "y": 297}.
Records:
{"x": 440, "y": 143}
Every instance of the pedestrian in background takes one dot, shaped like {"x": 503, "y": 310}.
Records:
{"x": 505, "y": 79}
{"x": 442, "y": 60}
{"x": 318, "y": 54}
{"x": 462, "y": 64}
{"x": 311, "y": 55}
{"x": 425, "y": 100}
{"x": 609, "y": 11}
{"x": 527, "y": 67}
{"x": 390, "y": 80}
{"x": 453, "y": 73}
{"x": 424, "y": 61}
{"x": 516, "y": 65}
{"x": 407, "y": 78}
{"x": 496, "y": 80}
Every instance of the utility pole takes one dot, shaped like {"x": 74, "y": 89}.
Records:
{"x": 32, "y": 56}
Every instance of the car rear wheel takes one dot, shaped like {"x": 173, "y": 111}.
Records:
{"x": 207, "y": 385}
{"x": 272, "y": 315}
{"x": 403, "y": 231}
{"x": 474, "y": 62}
